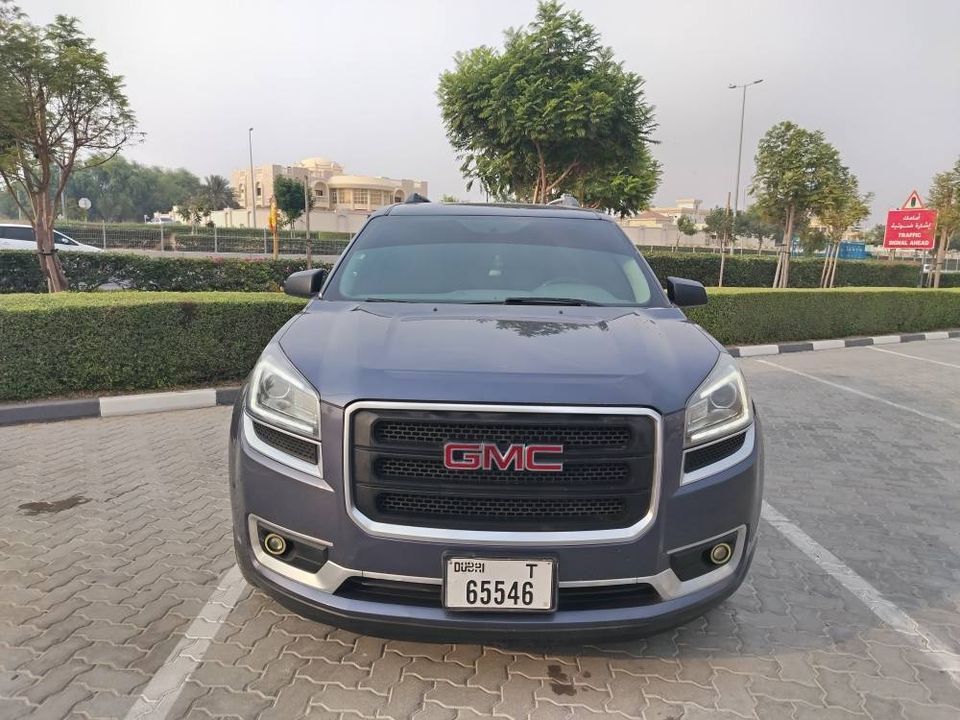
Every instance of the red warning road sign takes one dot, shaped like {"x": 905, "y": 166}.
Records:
{"x": 910, "y": 229}
{"x": 914, "y": 202}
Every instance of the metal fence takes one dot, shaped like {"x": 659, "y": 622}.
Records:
{"x": 207, "y": 240}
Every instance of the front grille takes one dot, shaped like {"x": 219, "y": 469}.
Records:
{"x": 573, "y": 474}
{"x": 702, "y": 457}
{"x": 500, "y": 508}
{"x": 397, "y": 473}
{"x": 434, "y": 433}
{"x": 302, "y": 449}
{"x": 594, "y": 597}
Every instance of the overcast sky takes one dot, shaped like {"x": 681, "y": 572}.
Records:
{"x": 355, "y": 81}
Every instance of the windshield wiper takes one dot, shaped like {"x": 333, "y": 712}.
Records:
{"x": 533, "y": 300}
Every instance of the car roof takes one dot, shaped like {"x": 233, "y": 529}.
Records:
{"x": 504, "y": 209}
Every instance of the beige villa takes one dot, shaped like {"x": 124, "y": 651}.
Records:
{"x": 341, "y": 201}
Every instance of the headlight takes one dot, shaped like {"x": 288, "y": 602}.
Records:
{"x": 279, "y": 395}
{"x": 720, "y": 406}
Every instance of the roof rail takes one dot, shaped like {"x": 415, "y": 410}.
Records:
{"x": 416, "y": 198}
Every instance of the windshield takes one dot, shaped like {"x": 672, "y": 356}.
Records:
{"x": 494, "y": 259}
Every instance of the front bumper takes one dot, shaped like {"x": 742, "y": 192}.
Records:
{"x": 287, "y": 499}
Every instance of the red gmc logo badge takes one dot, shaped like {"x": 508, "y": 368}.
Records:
{"x": 487, "y": 456}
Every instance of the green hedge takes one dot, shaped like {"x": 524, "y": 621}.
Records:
{"x": 126, "y": 341}
{"x": 73, "y": 343}
{"x": 20, "y": 272}
{"x": 747, "y": 316}
{"x": 758, "y": 271}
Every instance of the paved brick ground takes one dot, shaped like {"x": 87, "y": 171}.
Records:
{"x": 97, "y": 590}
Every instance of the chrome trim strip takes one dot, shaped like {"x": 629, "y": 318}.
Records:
{"x": 331, "y": 576}
{"x": 495, "y": 537}
{"x": 254, "y": 442}
{"x": 728, "y": 462}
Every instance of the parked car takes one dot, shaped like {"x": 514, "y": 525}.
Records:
{"x": 21, "y": 237}
{"x": 491, "y": 422}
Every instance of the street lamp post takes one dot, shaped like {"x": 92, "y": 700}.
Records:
{"x": 743, "y": 109}
{"x": 252, "y": 183}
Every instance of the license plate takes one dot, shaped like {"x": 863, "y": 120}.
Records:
{"x": 471, "y": 583}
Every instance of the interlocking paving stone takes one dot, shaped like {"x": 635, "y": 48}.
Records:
{"x": 92, "y": 605}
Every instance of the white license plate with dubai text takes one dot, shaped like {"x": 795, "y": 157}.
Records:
{"x": 499, "y": 584}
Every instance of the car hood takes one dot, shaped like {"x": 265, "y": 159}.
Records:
{"x": 500, "y": 354}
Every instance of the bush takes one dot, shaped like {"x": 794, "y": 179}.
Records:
{"x": 20, "y": 272}
{"x": 758, "y": 271}
{"x": 77, "y": 342}
{"x": 747, "y": 316}
{"x": 73, "y": 343}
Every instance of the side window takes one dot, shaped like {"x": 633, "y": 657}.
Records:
{"x": 19, "y": 233}
{"x": 61, "y": 239}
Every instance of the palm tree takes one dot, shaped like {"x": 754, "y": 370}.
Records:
{"x": 217, "y": 193}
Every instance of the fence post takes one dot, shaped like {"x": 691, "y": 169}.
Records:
{"x": 264, "y": 241}
{"x": 215, "y": 238}
{"x": 103, "y": 228}
{"x": 160, "y": 224}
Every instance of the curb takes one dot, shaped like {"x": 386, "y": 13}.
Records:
{"x": 808, "y": 345}
{"x": 117, "y": 405}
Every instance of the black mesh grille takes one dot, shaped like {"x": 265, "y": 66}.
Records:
{"x": 302, "y": 449}
{"x": 437, "y": 433}
{"x": 525, "y": 508}
{"x": 400, "y": 467}
{"x": 597, "y": 597}
{"x": 702, "y": 457}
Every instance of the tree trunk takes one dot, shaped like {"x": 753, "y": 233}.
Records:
{"x": 941, "y": 252}
{"x": 787, "y": 249}
{"x": 46, "y": 250}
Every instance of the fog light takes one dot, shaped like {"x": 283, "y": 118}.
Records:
{"x": 274, "y": 544}
{"x": 720, "y": 553}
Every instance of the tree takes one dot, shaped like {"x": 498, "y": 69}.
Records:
{"x": 290, "y": 198}
{"x": 61, "y": 110}
{"x": 552, "y": 112}
{"x": 944, "y": 197}
{"x": 685, "y": 226}
{"x": 844, "y": 209}
{"x": 874, "y": 236}
{"x": 217, "y": 193}
{"x": 449, "y": 198}
{"x": 796, "y": 170}
{"x": 753, "y": 223}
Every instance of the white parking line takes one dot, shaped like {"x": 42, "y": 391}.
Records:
{"x": 163, "y": 689}
{"x": 915, "y": 357}
{"x": 854, "y": 391}
{"x": 939, "y": 653}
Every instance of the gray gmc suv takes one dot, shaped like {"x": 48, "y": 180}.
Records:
{"x": 491, "y": 422}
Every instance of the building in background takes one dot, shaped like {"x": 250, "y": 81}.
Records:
{"x": 341, "y": 201}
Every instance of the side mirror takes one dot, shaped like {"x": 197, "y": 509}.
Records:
{"x": 684, "y": 293}
{"x": 305, "y": 283}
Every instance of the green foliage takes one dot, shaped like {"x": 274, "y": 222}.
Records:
{"x": 447, "y": 198}
{"x": 764, "y": 316}
{"x": 813, "y": 239}
{"x": 290, "y": 198}
{"x": 61, "y": 110}
{"x": 83, "y": 343}
{"x": 19, "y": 272}
{"x": 129, "y": 341}
{"x": 797, "y": 173}
{"x": 757, "y": 271}
{"x": 753, "y": 223}
{"x": 686, "y": 226}
{"x": 552, "y": 112}
{"x": 944, "y": 197}
{"x": 719, "y": 222}
{"x": 119, "y": 190}
{"x": 845, "y": 207}
{"x": 874, "y": 236}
